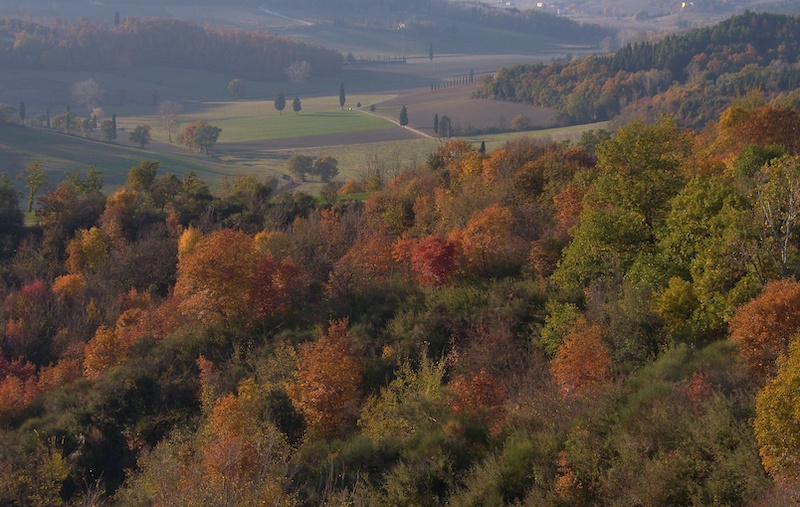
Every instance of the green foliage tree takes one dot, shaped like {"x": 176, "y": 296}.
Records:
{"x": 403, "y": 116}
{"x": 409, "y": 405}
{"x": 140, "y": 135}
{"x": 326, "y": 167}
{"x": 296, "y": 105}
{"x": 107, "y": 131}
{"x": 237, "y": 88}
{"x": 300, "y": 165}
{"x": 35, "y": 178}
{"x": 142, "y": 177}
{"x": 67, "y": 122}
{"x": 436, "y": 124}
{"x": 11, "y": 218}
{"x": 280, "y": 103}
{"x": 342, "y": 97}
{"x": 22, "y": 112}
{"x": 7, "y": 114}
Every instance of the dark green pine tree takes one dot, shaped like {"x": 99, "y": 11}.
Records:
{"x": 113, "y": 126}
{"x": 342, "y": 98}
{"x": 296, "y": 105}
{"x": 280, "y": 103}
{"x": 22, "y": 112}
{"x": 404, "y": 116}
{"x": 436, "y": 124}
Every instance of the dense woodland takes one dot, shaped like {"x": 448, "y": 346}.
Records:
{"x": 606, "y": 323}
{"x": 693, "y": 76}
{"x": 159, "y": 42}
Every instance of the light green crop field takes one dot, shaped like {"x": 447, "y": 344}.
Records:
{"x": 247, "y": 121}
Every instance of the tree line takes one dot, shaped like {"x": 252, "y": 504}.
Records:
{"x": 693, "y": 76}
{"x": 160, "y": 42}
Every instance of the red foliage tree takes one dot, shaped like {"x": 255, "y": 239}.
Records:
{"x": 277, "y": 287}
{"x": 481, "y": 397}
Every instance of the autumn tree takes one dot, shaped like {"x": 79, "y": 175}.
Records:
{"x": 582, "y": 362}
{"x": 168, "y": 112}
{"x": 775, "y": 424}
{"x": 489, "y": 243}
{"x": 481, "y": 397}
{"x": 326, "y": 388}
{"x": 103, "y": 351}
{"x": 199, "y": 134}
{"x": 764, "y": 326}
{"x": 245, "y": 460}
{"x": 432, "y": 259}
{"x": 216, "y": 275}
{"x": 278, "y": 287}
{"x": 87, "y": 251}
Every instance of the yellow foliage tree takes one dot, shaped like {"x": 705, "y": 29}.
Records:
{"x": 777, "y": 421}
{"x": 103, "y": 351}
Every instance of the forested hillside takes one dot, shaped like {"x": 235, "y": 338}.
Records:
{"x": 611, "y": 322}
{"x": 160, "y": 42}
{"x": 693, "y": 76}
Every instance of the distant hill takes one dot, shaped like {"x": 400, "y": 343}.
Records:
{"x": 159, "y": 41}
{"x": 692, "y": 76}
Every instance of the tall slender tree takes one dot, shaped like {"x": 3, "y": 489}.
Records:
{"x": 280, "y": 103}
{"x": 404, "y": 116}
{"x": 22, "y": 112}
{"x": 342, "y": 98}
{"x": 436, "y": 124}
{"x": 35, "y": 178}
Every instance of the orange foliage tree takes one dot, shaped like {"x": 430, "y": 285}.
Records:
{"x": 326, "y": 386}
{"x": 489, "y": 243}
{"x": 369, "y": 261}
{"x": 103, "y": 351}
{"x": 216, "y": 276}
{"x": 764, "y": 326}
{"x": 582, "y": 362}
{"x": 481, "y": 397}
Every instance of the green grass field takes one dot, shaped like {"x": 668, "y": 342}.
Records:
{"x": 60, "y": 154}
{"x": 257, "y": 120}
